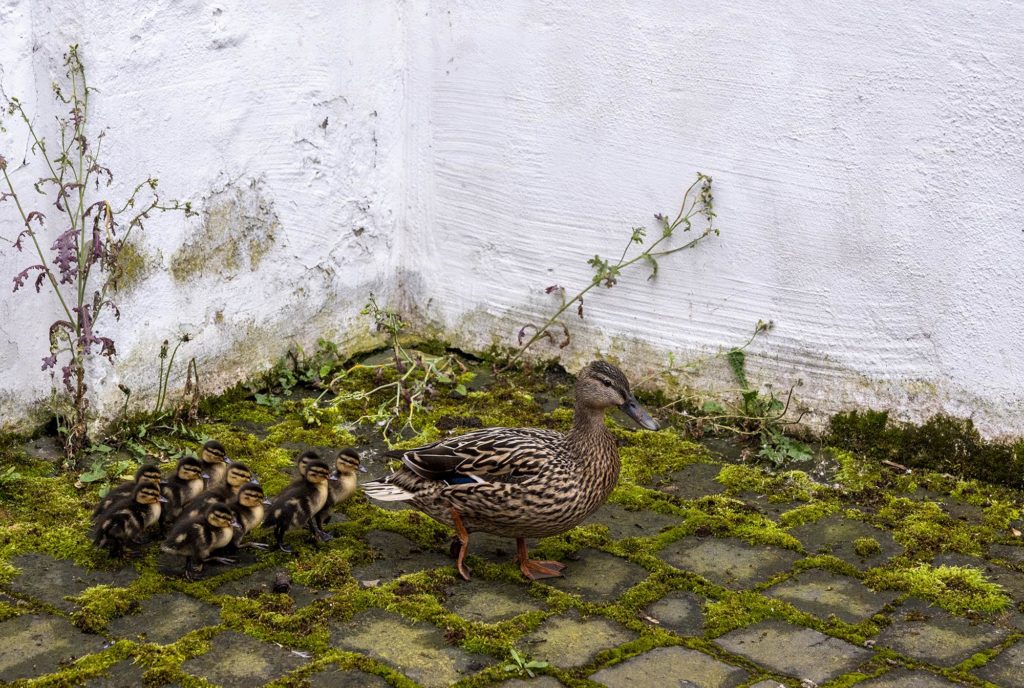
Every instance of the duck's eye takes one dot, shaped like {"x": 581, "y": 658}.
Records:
{"x": 607, "y": 383}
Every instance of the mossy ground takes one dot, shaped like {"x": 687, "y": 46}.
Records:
{"x": 45, "y": 511}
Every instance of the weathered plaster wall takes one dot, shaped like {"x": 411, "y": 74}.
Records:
{"x": 456, "y": 157}
{"x": 868, "y": 162}
{"x": 279, "y": 121}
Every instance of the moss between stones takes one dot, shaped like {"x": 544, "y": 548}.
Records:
{"x": 957, "y": 589}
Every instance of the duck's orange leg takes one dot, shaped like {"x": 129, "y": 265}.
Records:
{"x": 534, "y": 568}
{"x": 463, "y": 535}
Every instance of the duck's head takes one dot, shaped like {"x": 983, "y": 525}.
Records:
{"x": 219, "y": 515}
{"x": 251, "y": 495}
{"x": 303, "y": 459}
{"x": 238, "y": 474}
{"x": 601, "y": 385}
{"x": 189, "y": 468}
{"x": 347, "y": 463}
{"x": 214, "y": 452}
{"x": 148, "y": 493}
{"x": 148, "y": 473}
{"x": 317, "y": 472}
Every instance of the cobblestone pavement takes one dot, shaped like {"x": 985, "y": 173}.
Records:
{"x": 648, "y": 599}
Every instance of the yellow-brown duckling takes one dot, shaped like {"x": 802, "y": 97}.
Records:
{"x": 302, "y": 461}
{"x": 249, "y": 507}
{"x": 147, "y": 473}
{"x": 238, "y": 474}
{"x": 181, "y": 487}
{"x": 298, "y": 504}
{"x": 197, "y": 538}
{"x": 127, "y": 519}
{"x": 215, "y": 463}
{"x": 346, "y": 470}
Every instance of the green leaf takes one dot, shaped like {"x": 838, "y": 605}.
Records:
{"x": 95, "y": 472}
{"x": 461, "y": 390}
{"x": 712, "y": 407}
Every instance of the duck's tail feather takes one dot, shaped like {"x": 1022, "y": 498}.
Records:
{"x": 384, "y": 491}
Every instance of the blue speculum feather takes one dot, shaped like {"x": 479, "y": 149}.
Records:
{"x": 460, "y": 479}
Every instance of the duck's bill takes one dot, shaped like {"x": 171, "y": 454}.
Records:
{"x": 634, "y": 410}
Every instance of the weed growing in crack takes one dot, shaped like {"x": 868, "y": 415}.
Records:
{"x": 81, "y": 266}
{"x": 698, "y": 202}
{"x": 404, "y": 385}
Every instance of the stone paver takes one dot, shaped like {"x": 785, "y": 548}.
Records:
{"x": 933, "y": 635}
{"x": 904, "y": 678}
{"x": 729, "y": 562}
{"x": 598, "y": 576}
{"x": 124, "y": 674}
{"x": 1011, "y": 553}
{"x": 397, "y": 556}
{"x": 695, "y": 481}
{"x": 164, "y": 618}
{"x": 798, "y": 652}
{"x": 33, "y": 645}
{"x": 679, "y": 611}
{"x": 262, "y": 581}
{"x": 237, "y": 659}
{"x": 667, "y": 666}
{"x": 51, "y": 580}
{"x": 1007, "y": 668}
{"x": 489, "y": 601}
{"x": 837, "y": 534}
{"x": 536, "y": 682}
{"x": 416, "y": 648}
{"x": 346, "y": 678}
{"x": 768, "y": 683}
{"x": 823, "y": 593}
{"x": 568, "y": 641}
{"x": 1012, "y": 581}
{"x": 623, "y": 523}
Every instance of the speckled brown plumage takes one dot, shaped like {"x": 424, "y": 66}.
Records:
{"x": 520, "y": 482}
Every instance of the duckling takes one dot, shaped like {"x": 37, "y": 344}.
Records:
{"x": 147, "y": 473}
{"x": 215, "y": 463}
{"x": 299, "y": 503}
{"x": 180, "y": 488}
{"x": 302, "y": 461}
{"x": 196, "y": 538}
{"x": 127, "y": 519}
{"x": 248, "y": 506}
{"x": 238, "y": 474}
{"x": 345, "y": 466}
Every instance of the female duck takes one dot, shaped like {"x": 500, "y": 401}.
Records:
{"x": 520, "y": 482}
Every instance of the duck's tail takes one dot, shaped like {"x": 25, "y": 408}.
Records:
{"x": 384, "y": 491}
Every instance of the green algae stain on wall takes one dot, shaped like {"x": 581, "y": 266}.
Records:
{"x": 239, "y": 228}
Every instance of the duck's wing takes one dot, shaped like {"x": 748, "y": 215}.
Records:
{"x": 483, "y": 455}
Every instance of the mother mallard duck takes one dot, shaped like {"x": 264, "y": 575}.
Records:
{"x": 520, "y": 482}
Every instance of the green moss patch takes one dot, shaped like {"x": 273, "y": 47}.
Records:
{"x": 957, "y": 589}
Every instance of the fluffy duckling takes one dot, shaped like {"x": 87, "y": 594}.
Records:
{"x": 302, "y": 461}
{"x": 196, "y": 538}
{"x": 345, "y": 467}
{"x": 181, "y": 487}
{"x": 215, "y": 463}
{"x": 127, "y": 519}
{"x": 298, "y": 504}
{"x": 238, "y": 474}
{"x": 248, "y": 506}
{"x": 147, "y": 473}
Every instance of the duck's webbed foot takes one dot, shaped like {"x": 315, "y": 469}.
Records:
{"x": 463, "y": 537}
{"x": 535, "y": 569}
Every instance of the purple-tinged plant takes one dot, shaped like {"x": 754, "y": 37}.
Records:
{"x": 81, "y": 263}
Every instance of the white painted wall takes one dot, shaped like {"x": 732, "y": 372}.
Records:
{"x": 867, "y": 160}
{"x": 225, "y": 102}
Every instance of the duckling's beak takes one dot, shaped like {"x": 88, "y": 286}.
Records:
{"x": 267, "y": 502}
{"x": 161, "y": 498}
{"x": 236, "y": 524}
{"x": 206, "y": 476}
{"x": 634, "y": 410}
{"x": 228, "y": 461}
{"x": 362, "y": 469}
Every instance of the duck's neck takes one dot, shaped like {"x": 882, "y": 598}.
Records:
{"x": 593, "y": 445}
